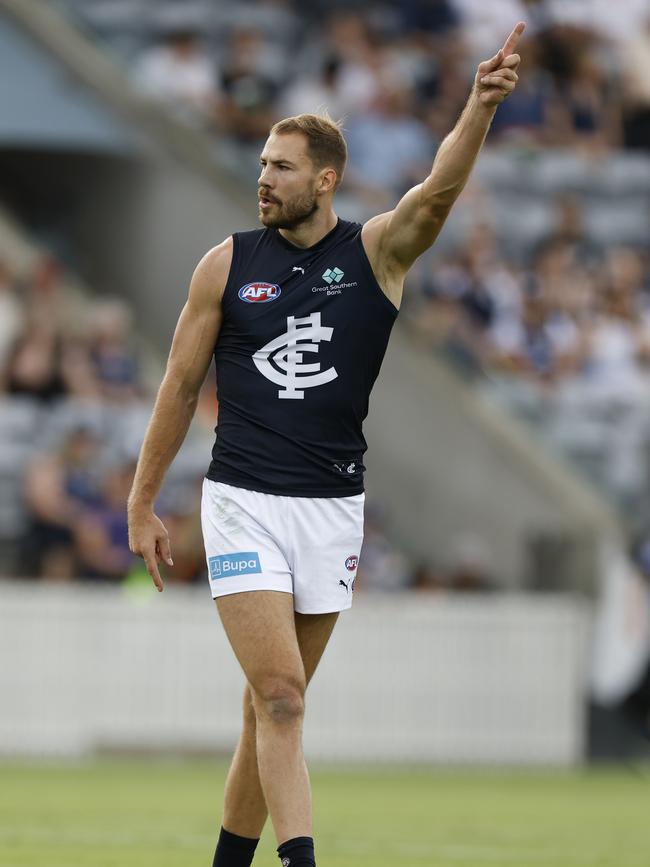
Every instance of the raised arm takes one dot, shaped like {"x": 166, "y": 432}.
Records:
{"x": 393, "y": 241}
{"x": 194, "y": 339}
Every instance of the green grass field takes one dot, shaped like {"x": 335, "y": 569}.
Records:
{"x": 166, "y": 814}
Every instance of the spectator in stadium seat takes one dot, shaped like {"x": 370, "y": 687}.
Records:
{"x": 78, "y": 371}
{"x": 469, "y": 568}
{"x": 619, "y": 338}
{"x": 426, "y": 579}
{"x": 484, "y": 22}
{"x": 545, "y": 340}
{"x": 433, "y": 17}
{"x": 569, "y": 232}
{"x": 589, "y": 106}
{"x": 531, "y": 116}
{"x": 320, "y": 91}
{"x": 59, "y": 487}
{"x": 249, "y": 86}
{"x": 45, "y": 285}
{"x": 346, "y": 36}
{"x": 38, "y": 364}
{"x": 181, "y": 74}
{"x": 183, "y": 515}
{"x": 11, "y": 316}
{"x": 101, "y": 532}
{"x": 374, "y": 137}
{"x": 34, "y": 363}
{"x": 463, "y": 295}
{"x": 112, "y": 356}
{"x": 542, "y": 346}
{"x": 432, "y": 54}
{"x": 634, "y": 59}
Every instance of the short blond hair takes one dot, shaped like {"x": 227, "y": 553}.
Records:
{"x": 325, "y": 143}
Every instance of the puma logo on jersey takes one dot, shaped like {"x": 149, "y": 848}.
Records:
{"x": 282, "y": 359}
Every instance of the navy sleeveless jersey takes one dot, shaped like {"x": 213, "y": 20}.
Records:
{"x": 303, "y": 335}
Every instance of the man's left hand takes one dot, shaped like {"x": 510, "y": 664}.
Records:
{"x": 497, "y": 78}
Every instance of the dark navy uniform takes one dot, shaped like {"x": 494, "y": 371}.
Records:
{"x": 303, "y": 336}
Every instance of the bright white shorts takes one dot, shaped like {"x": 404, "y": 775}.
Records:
{"x": 308, "y": 546}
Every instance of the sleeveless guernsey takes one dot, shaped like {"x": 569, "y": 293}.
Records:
{"x": 303, "y": 335}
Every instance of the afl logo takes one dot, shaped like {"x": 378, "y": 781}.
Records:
{"x": 352, "y": 562}
{"x": 259, "y": 292}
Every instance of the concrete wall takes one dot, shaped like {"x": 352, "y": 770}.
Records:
{"x": 144, "y": 229}
{"x": 405, "y": 678}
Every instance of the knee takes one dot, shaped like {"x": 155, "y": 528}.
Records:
{"x": 280, "y": 700}
{"x": 249, "y": 709}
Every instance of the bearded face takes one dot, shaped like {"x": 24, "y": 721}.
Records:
{"x": 288, "y": 213}
{"x": 289, "y": 184}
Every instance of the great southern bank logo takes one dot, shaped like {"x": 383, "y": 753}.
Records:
{"x": 259, "y": 292}
{"x": 333, "y": 275}
{"x": 228, "y": 565}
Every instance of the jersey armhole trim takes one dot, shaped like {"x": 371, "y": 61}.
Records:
{"x": 366, "y": 263}
{"x": 234, "y": 267}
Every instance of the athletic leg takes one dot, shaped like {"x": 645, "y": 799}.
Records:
{"x": 245, "y": 806}
{"x": 245, "y": 811}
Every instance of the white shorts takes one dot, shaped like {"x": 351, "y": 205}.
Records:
{"x": 308, "y": 546}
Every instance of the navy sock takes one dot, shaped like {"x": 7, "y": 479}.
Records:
{"x": 298, "y": 852}
{"x": 233, "y": 850}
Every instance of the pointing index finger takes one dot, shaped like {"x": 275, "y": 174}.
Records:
{"x": 511, "y": 42}
{"x": 152, "y": 569}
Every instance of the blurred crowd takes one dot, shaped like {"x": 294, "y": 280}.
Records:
{"x": 397, "y": 73}
{"x": 564, "y": 308}
{"x": 74, "y": 405}
{"x": 546, "y": 303}
{"x": 561, "y": 334}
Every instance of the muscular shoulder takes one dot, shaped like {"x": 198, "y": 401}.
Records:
{"x": 389, "y": 276}
{"x": 211, "y": 274}
{"x": 372, "y": 232}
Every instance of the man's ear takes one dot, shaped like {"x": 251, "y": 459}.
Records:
{"x": 327, "y": 181}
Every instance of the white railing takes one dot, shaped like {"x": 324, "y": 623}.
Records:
{"x": 481, "y": 679}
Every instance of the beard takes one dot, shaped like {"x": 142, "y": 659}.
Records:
{"x": 291, "y": 214}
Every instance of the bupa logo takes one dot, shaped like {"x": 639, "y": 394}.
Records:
{"x": 227, "y": 565}
{"x": 352, "y": 562}
{"x": 259, "y": 292}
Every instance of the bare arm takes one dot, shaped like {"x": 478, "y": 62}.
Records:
{"x": 194, "y": 339}
{"x": 394, "y": 240}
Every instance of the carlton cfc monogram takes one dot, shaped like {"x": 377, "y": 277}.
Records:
{"x": 281, "y": 360}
